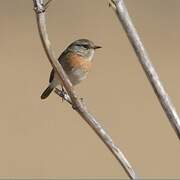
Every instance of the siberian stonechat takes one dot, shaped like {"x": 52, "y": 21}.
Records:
{"x": 76, "y": 61}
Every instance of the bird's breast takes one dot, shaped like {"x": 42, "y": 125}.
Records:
{"x": 76, "y": 67}
{"x": 78, "y": 62}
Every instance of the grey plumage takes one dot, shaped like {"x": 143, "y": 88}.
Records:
{"x": 85, "y": 49}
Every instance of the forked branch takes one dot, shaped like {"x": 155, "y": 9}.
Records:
{"x": 122, "y": 13}
{"x": 76, "y": 103}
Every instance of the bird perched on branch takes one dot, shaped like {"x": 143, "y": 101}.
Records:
{"x": 76, "y": 61}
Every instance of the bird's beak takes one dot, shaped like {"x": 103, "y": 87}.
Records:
{"x": 97, "y": 47}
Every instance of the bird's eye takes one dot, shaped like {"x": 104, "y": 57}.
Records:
{"x": 86, "y": 46}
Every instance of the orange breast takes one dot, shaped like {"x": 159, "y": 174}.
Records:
{"x": 78, "y": 62}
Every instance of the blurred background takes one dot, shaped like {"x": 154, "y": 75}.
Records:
{"x": 47, "y": 138}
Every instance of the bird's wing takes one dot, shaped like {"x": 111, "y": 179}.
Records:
{"x": 60, "y": 61}
{"x": 62, "y": 56}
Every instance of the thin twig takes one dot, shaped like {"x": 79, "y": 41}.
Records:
{"x": 112, "y": 4}
{"x": 77, "y": 104}
{"x": 168, "y": 107}
{"x": 47, "y": 4}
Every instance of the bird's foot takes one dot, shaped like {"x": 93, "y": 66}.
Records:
{"x": 63, "y": 94}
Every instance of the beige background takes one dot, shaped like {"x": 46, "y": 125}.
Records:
{"x": 48, "y": 139}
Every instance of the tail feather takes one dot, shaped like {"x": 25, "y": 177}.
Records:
{"x": 47, "y": 92}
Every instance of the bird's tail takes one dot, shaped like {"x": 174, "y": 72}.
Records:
{"x": 47, "y": 92}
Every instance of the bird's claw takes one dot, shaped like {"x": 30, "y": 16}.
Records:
{"x": 63, "y": 94}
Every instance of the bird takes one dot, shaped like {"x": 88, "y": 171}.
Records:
{"x": 76, "y": 60}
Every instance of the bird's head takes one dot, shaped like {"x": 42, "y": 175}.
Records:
{"x": 84, "y": 47}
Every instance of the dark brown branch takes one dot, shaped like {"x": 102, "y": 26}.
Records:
{"x": 168, "y": 107}
{"x": 77, "y": 104}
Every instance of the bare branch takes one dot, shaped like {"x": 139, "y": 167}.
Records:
{"x": 144, "y": 59}
{"x": 77, "y": 104}
{"x": 63, "y": 95}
